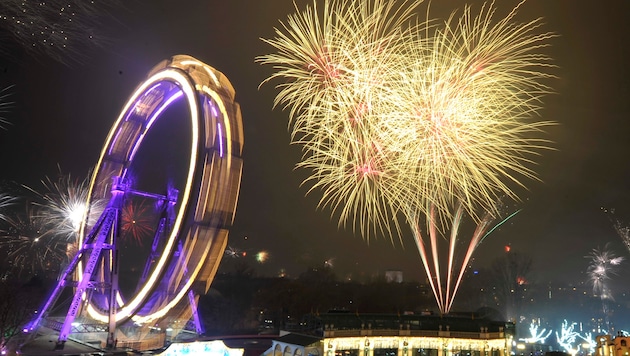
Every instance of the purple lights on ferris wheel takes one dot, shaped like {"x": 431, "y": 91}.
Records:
{"x": 174, "y": 96}
{"x": 184, "y": 248}
{"x": 220, "y": 139}
{"x": 152, "y": 88}
{"x": 215, "y": 113}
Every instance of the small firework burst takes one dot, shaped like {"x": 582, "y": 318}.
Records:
{"x": 604, "y": 264}
{"x": 234, "y": 252}
{"x": 27, "y": 244}
{"x": 262, "y": 256}
{"x": 63, "y": 205}
{"x": 330, "y": 262}
{"x": 137, "y": 221}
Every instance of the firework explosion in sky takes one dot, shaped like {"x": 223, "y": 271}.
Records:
{"x": 62, "y": 203}
{"x": 48, "y": 228}
{"x": 61, "y": 111}
{"x": 29, "y": 245}
{"x": 58, "y": 29}
{"x": 43, "y": 233}
{"x": 137, "y": 222}
{"x": 430, "y": 121}
{"x": 604, "y": 264}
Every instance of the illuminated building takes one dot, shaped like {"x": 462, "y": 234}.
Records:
{"x": 348, "y": 334}
{"x": 617, "y": 346}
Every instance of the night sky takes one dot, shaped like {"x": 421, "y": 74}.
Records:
{"x": 63, "y": 112}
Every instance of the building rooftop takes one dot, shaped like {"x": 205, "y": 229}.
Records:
{"x": 465, "y": 322}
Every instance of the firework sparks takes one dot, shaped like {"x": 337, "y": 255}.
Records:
{"x": 407, "y": 119}
{"x": 6, "y": 200}
{"x": 262, "y": 256}
{"x": 234, "y": 252}
{"x": 622, "y": 229}
{"x": 63, "y": 205}
{"x": 137, "y": 222}
{"x": 603, "y": 265}
{"x": 60, "y": 29}
{"x": 624, "y": 233}
{"x": 27, "y": 245}
{"x": 337, "y": 61}
{"x": 5, "y": 106}
{"x": 330, "y": 263}
{"x": 447, "y": 277}
{"x": 464, "y": 118}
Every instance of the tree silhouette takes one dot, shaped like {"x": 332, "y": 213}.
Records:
{"x": 18, "y": 302}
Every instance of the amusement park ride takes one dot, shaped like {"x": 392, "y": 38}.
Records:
{"x": 192, "y": 228}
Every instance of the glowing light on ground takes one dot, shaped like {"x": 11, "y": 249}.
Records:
{"x": 536, "y": 336}
{"x": 210, "y": 348}
{"x": 571, "y": 339}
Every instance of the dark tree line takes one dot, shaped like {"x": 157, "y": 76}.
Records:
{"x": 18, "y": 303}
{"x": 240, "y": 302}
{"x": 507, "y": 289}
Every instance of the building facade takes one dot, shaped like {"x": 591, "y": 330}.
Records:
{"x": 399, "y": 335}
{"x": 612, "y": 346}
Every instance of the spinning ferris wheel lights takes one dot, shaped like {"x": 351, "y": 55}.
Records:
{"x": 191, "y": 233}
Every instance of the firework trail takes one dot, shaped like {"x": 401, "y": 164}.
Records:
{"x": 446, "y": 268}
{"x": 6, "y": 200}
{"x": 5, "y": 106}
{"x": 624, "y": 233}
{"x": 407, "y": 122}
{"x": 622, "y": 229}
{"x": 60, "y": 29}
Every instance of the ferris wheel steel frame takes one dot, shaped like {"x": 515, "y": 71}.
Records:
{"x": 199, "y": 215}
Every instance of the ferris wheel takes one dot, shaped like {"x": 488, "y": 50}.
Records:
{"x": 191, "y": 220}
